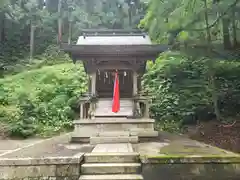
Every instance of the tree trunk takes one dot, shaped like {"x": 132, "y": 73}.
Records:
{"x": 211, "y": 74}
{"x": 59, "y": 22}
{"x": 235, "y": 42}
{"x": 130, "y": 14}
{"x": 226, "y": 34}
{"x": 2, "y": 28}
{"x": 70, "y": 33}
{"x": 31, "y": 42}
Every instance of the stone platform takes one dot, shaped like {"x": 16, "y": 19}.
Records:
{"x": 128, "y": 130}
{"x": 167, "y": 156}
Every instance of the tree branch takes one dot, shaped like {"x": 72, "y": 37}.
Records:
{"x": 218, "y": 18}
{"x": 228, "y": 125}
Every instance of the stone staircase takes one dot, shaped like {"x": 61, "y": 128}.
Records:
{"x": 111, "y": 166}
{"x": 104, "y": 108}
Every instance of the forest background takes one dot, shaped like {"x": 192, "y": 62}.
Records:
{"x": 195, "y": 86}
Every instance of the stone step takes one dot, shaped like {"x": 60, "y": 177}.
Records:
{"x": 111, "y": 157}
{"x": 112, "y": 177}
{"x": 114, "y": 134}
{"x": 108, "y": 113}
{"x": 104, "y": 108}
{"x": 109, "y": 102}
{"x": 122, "y": 139}
{"x": 110, "y": 168}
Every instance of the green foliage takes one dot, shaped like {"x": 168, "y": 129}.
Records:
{"x": 183, "y": 21}
{"x": 198, "y": 85}
{"x": 181, "y": 92}
{"x": 41, "y": 101}
{"x": 228, "y": 84}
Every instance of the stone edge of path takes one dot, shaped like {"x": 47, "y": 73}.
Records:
{"x": 65, "y": 160}
{"x": 189, "y": 159}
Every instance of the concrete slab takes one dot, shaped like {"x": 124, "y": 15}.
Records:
{"x": 112, "y": 148}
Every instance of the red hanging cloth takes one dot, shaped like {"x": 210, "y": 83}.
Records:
{"x": 116, "y": 97}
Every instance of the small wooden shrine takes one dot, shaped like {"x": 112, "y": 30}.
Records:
{"x": 102, "y": 53}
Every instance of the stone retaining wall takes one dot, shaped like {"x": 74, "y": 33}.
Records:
{"x": 164, "y": 167}
{"x": 191, "y": 168}
{"x": 48, "y": 168}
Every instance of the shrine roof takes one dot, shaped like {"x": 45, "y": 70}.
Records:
{"x": 116, "y": 50}
{"x": 114, "y": 40}
{"x": 113, "y": 43}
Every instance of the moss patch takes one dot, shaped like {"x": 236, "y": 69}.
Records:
{"x": 191, "y": 171}
{"x": 187, "y": 151}
{"x": 182, "y": 148}
{"x": 181, "y": 159}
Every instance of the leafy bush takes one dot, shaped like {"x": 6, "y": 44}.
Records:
{"x": 181, "y": 92}
{"x": 228, "y": 84}
{"x": 51, "y": 56}
{"x": 41, "y": 101}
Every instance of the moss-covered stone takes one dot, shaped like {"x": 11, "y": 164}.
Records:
{"x": 191, "y": 171}
{"x": 176, "y": 159}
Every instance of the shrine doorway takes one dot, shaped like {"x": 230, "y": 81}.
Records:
{"x": 105, "y": 83}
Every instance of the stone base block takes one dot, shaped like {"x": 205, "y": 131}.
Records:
{"x": 106, "y": 140}
{"x": 112, "y": 127}
{"x": 111, "y": 168}
{"x": 111, "y": 157}
{"x": 114, "y": 134}
{"x": 112, "y": 177}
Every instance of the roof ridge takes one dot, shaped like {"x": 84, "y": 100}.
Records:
{"x": 112, "y": 32}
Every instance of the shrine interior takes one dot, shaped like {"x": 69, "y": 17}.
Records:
{"x": 105, "y": 83}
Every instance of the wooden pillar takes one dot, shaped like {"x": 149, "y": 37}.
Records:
{"x": 146, "y": 113}
{"x": 93, "y": 85}
{"x": 135, "y": 92}
{"x": 89, "y": 84}
{"x": 81, "y": 111}
{"x": 135, "y": 83}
